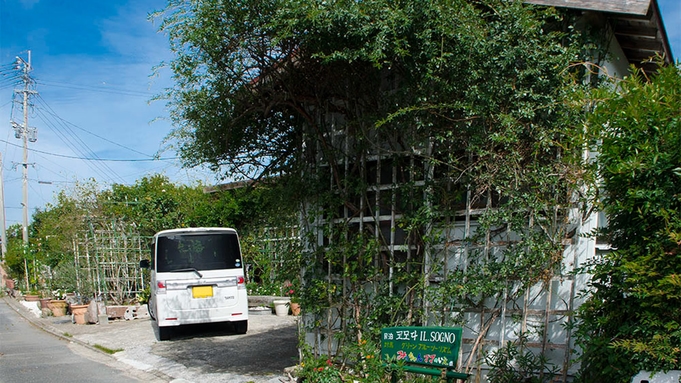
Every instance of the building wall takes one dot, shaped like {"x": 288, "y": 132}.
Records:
{"x": 542, "y": 312}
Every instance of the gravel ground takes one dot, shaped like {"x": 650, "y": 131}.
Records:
{"x": 206, "y": 353}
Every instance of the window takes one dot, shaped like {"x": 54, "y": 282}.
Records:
{"x": 199, "y": 251}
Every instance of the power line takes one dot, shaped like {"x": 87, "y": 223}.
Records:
{"x": 9, "y": 81}
{"x": 89, "y": 88}
{"x": 13, "y": 77}
{"x": 87, "y": 131}
{"x": 97, "y": 158}
{"x": 75, "y": 143}
{"x": 83, "y": 152}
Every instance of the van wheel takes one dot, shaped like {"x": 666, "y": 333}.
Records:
{"x": 240, "y": 327}
{"x": 164, "y": 333}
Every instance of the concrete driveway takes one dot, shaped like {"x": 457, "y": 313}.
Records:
{"x": 206, "y": 353}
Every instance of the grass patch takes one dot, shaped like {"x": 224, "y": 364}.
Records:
{"x": 106, "y": 349}
{"x": 68, "y": 335}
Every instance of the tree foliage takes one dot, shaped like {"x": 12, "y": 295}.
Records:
{"x": 67, "y": 227}
{"x": 468, "y": 100}
{"x": 153, "y": 203}
{"x": 14, "y": 258}
{"x": 631, "y": 323}
{"x": 253, "y": 79}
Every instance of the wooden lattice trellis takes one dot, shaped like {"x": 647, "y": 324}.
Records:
{"x": 107, "y": 256}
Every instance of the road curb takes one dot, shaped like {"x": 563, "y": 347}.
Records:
{"x": 21, "y": 310}
{"x": 30, "y": 318}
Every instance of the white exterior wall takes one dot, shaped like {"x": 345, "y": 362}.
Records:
{"x": 545, "y": 306}
{"x": 543, "y": 312}
{"x": 618, "y": 65}
{"x": 539, "y": 307}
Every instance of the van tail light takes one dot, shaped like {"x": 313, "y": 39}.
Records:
{"x": 161, "y": 287}
{"x": 241, "y": 282}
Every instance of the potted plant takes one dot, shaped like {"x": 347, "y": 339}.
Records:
{"x": 44, "y": 303}
{"x": 295, "y": 306}
{"x": 32, "y": 296}
{"x": 79, "y": 306}
{"x": 281, "y": 307}
{"x": 290, "y": 291}
{"x": 78, "y": 312}
{"x": 58, "y": 305}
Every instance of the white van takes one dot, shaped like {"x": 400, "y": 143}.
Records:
{"x": 197, "y": 276}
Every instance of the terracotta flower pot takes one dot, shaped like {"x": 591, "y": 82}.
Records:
{"x": 78, "y": 312}
{"x": 58, "y": 307}
{"x": 31, "y": 297}
{"x": 44, "y": 303}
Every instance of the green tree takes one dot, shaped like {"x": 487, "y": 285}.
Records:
{"x": 632, "y": 322}
{"x": 14, "y": 258}
{"x": 153, "y": 203}
{"x": 52, "y": 233}
{"x": 469, "y": 100}
{"x": 54, "y": 227}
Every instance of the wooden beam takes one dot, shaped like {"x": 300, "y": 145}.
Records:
{"x": 638, "y": 55}
{"x": 640, "y": 32}
{"x": 650, "y": 45}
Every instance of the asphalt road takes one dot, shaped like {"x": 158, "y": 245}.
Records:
{"x": 28, "y": 354}
{"x": 202, "y": 354}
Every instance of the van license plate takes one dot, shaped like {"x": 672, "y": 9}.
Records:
{"x": 202, "y": 291}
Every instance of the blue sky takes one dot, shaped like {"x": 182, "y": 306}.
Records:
{"x": 92, "y": 61}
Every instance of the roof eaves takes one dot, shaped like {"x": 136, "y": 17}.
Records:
{"x": 638, "y": 26}
{"x": 630, "y": 7}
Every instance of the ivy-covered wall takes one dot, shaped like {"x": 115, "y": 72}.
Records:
{"x": 443, "y": 216}
{"x": 435, "y": 152}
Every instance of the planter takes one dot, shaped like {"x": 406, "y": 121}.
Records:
{"x": 281, "y": 308}
{"x": 658, "y": 377}
{"x": 295, "y": 309}
{"x": 78, "y": 312}
{"x": 58, "y": 307}
{"x": 31, "y": 297}
{"x": 44, "y": 303}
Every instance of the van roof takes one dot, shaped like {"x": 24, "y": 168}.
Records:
{"x": 194, "y": 230}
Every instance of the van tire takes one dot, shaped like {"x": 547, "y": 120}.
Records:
{"x": 151, "y": 312}
{"x": 164, "y": 333}
{"x": 240, "y": 327}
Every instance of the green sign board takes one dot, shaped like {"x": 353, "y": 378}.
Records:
{"x": 430, "y": 346}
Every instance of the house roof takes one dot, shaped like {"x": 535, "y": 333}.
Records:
{"x": 637, "y": 25}
{"x": 228, "y": 186}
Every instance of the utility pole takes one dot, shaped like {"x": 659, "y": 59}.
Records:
{"x": 3, "y": 228}
{"x": 27, "y": 134}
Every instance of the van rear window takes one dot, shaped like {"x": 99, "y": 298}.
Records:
{"x": 199, "y": 251}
